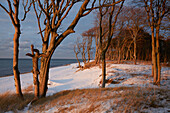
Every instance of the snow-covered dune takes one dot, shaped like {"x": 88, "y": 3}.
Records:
{"x": 68, "y": 77}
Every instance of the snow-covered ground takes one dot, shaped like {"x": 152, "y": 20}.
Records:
{"x": 69, "y": 77}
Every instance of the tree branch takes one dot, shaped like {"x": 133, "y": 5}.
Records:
{"x": 4, "y": 8}
{"x": 26, "y": 11}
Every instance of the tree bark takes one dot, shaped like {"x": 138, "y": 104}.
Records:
{"x": 15, "y": 61}
{"x": 134, "y": 54}
{"x": 154, "y": 65}
{"x": 103, "y": 70}
{"x": 119, "y": 51}
{"x": 158, "y": 57}
{"x": 44, "y": 74}
{"x": 97, "y": 56}
{"x": 36, "y": 81}
{"x": 35, "y": 70}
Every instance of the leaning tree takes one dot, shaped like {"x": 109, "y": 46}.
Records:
{"x": 50, "y": 16}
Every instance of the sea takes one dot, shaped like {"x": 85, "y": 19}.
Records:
{"x": 25, "y": 65}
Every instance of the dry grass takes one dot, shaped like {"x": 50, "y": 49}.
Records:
{"x": 166, "y": 64}
{"x": 28, "y": 89}
{"x": 120, "y": 99}
{"x": 73, "y": 97}
{"x": 11, "y": 102}
{"x": 90, "y": 65}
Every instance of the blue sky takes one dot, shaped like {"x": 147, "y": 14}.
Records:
{"x": 29, "y": 30}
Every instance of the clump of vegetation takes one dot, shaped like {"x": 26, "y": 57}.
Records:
{"x": 12, "y": 102}
{"x": 120, "y": 99}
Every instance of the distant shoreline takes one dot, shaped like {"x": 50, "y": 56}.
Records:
{"x": 31, "y": 72}
{"x": 13, "y": 75}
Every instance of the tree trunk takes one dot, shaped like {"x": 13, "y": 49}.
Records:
{"x": 134, "y": 54}
{"x": 15, "y": 62}
{"x": 158, "y": 57}
{"x": 44, "y": 74}
{"x": 119, "y": 53}
{"x": 154, "y": 66}
{"x": 78, "y": 60}
{"x": 36, "y": 84}
{"x": 103, "y": 70}
{"x": 97, "y": 56}
{"x": 88, "y": 52}
{"x": 35, "y": 76}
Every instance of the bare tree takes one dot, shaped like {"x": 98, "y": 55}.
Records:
{"x": 156, "y": 10}
{"x": 35, "y": 70}
{"x": 88, "y": 35}
{"x": 55, "y": 12}
{"x": 97, "y": 53}
{"x": 83, "y": 50}
{"x": 106, "y": 32}
{"x": 77, "y": 51}
{"x": 13, "y": 12}
{"x": 136, "y": 22}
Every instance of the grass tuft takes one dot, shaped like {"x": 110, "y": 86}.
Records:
{"x": 11, "y": 102}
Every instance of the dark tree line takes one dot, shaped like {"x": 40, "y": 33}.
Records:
{"x": 131, "y": 37}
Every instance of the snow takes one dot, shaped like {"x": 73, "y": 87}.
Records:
{"x": 69, "y": 77}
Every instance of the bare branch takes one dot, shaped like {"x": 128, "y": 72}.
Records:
{"x": 4, "y": 8}
{"x": 90, "y": 8}
{"x": 67, "y": 11}
{"x": 38, "y": 19}
{"x": 104, "y": 5}
{"x": 26, "y": 11}
{"x": 29, "y": 54}
{"x": 40, "y": 5}
{"x": 10, "y": 7}
{"x": 61, "y": 5}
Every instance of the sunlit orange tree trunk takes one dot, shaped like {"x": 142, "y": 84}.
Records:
{"x": 55, "y": 12}
{"x": 107, "y": 23}
{"x": 13, "y": 12}
{"x": 156, "y": 10}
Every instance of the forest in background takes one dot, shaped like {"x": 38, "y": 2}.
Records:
{"x": 131, "y": 22}
{"x": 120, "y": 33}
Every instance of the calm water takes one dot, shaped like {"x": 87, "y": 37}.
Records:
{"x": 25, "y": 65}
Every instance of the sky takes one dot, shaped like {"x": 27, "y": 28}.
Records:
{"x": 29, "y": 30}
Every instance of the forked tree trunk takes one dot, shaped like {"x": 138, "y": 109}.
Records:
{"x": 15, "y": 62}
{"x": 35, "y": 70}
{"x": 103, "y": 70}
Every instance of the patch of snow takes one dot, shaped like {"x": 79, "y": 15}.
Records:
{"x": 68, "y": 78}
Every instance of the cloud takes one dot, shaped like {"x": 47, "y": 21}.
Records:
{"x": 29, "y": 30}
{"x": 66, "y": 46}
